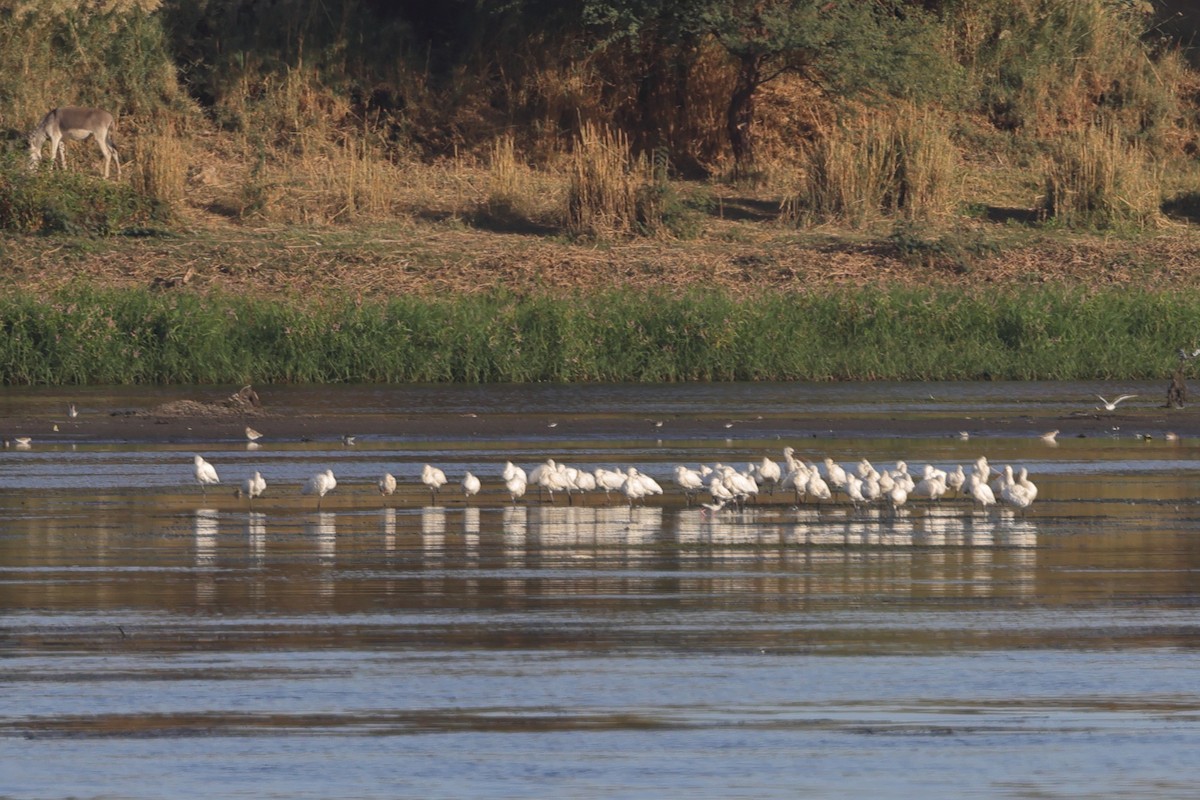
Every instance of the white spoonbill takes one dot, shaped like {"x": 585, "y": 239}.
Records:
{"x": 434, "y": 478}
{"x": 320, "y": 484}
{"x": 470, "y": 486}
{"x": 770, "y": 473}
{"x": 206, "y": 474}
{"x": 254, "y": 486}
{"x": 386, "y": 484}
{"x": 690, "y": 481}
{"x": 515, "y": 484}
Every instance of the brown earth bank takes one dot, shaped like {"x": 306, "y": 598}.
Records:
{"x": 410, "y": 257}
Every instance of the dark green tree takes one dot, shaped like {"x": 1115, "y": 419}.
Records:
{"x": 843, "y": 46}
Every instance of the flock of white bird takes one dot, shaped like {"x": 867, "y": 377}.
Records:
{"x": 862, "y": 484}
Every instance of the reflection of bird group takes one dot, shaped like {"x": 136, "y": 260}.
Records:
{"x": 861, "y": 484}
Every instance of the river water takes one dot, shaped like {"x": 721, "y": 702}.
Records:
{"x": 159, "y": 641}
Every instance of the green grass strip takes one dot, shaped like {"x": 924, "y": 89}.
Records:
{"x": 85, "y": 336}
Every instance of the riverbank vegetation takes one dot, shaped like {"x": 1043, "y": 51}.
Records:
{"x": 351, "y": 164}
{"x": 77, "y": 337}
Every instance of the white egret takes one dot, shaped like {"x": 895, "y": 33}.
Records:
{"x": 434, "y": 478}
{"x": 320, "y": 484}
{"x": 206, "y": 474}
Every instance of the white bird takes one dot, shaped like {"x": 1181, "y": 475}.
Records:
{"x": 206, "y": 474}
{"x": 1014, "y": 494}
{"x": 252, "y": 434}
{"x": 978, "y": 488}
{"x": 470, "y": 486}
{"x": 932, "y": 485}
{"x": 320, "y": 484}
{"x": 515, "y": 484}
{"x": 348, "y": 440}
{"x": 1050, "y": 437}
{"x": 72, "y": 411}
{"x": 898, "y": 496}
{"x": 511, "y": 470}
{"x": 609, "y": 480}
{"x": 254, "y": 486}
{"x": 386, "y": 484}
{"x": 854, "y": 486}
{"x": 434, "y": 478}
{"x": 23, "y": 442}
{"x": 689, "y": 480}
{"x": 1023, "y": 481}
{"x": 633, "y": 488}
{"x": 956, "y": 479}
{"x": 835, "y": 475}
{"x": 770, "y": 473}
{"x": 1113, "y": 405}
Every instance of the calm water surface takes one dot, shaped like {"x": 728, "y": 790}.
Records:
{"x": 159, "y": 642}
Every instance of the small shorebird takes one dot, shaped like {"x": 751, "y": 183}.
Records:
{"x": 252, "y": 434}
{"x": 348, "y": 440}
{"x": 1113, "y": 405}
{"x": 1050, "y": 437}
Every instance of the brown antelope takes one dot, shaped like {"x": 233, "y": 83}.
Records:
{"x": 77, "y": 124}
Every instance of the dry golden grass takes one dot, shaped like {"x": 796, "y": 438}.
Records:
{"x": 161, "y": 165}
{"x": 1099, "y": 178}
{"x": 605, "y": 179}
{"x": 900, "y": 163}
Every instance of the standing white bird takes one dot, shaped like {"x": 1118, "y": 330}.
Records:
{"x": 769, "y": 473}
{"x": 1112, "y": 406}
{"x": 1014, "y": 494}
{"x": 320, "y": 484}
{"x": 470, "y": 486}
{"x": 515, "y": 484}
{"x": 206, "y": 474}
{"x": 252, "y": 434}
{"x": 72, "y": 411}
{"x": 386, "y": 484}
{"x": 690, "y": 481}
{"x": 254, "y": 486}
{"x": 434, "y": 478}
{"x": 978, "y": 488}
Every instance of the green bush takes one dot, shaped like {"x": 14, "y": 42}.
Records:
{"x": 66, "y": 202}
